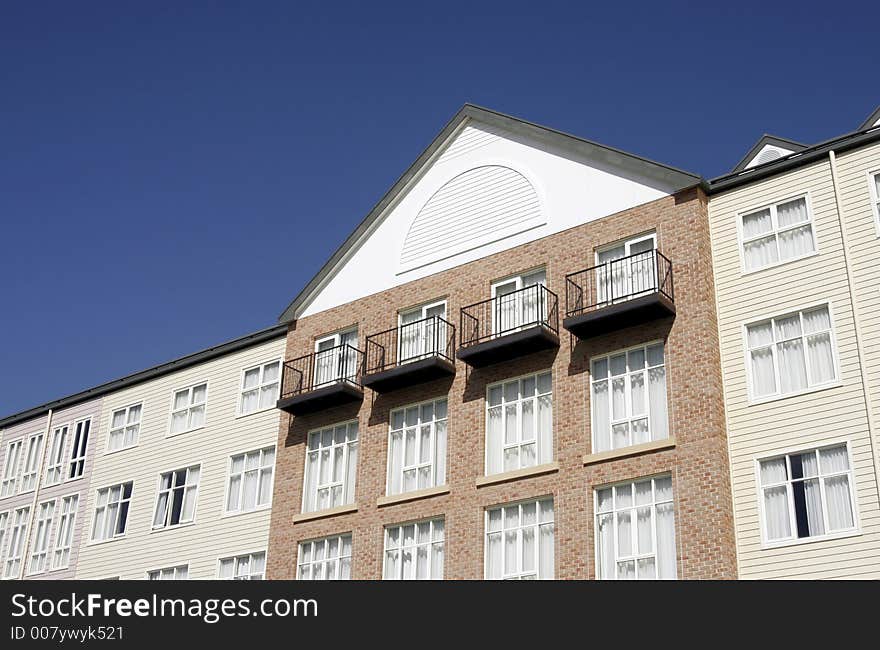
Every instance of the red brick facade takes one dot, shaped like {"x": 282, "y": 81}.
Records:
{"x": 698, "y": 462}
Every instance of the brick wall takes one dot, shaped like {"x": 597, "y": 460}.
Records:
{"x": 698, "y": 462}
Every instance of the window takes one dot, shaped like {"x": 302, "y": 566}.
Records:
{"x": 417, "y": 447}
{"x": 519, "y": 541}
{"x": 188, "y": 408}
{"x": 250, "y": 480}
{"x": 125, "y": 424}
{"x": 259, "y": 387}
{"x": 10, "y": 468}
{"x": 55, "y": 462}
{"x": 422, "y": 332}
{"x": 626, "y": 270}
{"x": 40, "y": 542}
{"x": 325, "y": 559}
{"x": 64, "y": 534}
{"x": 31, "y": 463}
{"x": 807, "y": 494}
{"x": 111, "y": 512}
{"x": 792, "y": 353}
{"x": 170, "y": 573}
{"x": 635, "y": 531}
{"x": 519, "y": 302}
{"x": 778, "y": 233}
{"x": 4, "y": 534}
{"x": 519, "y": 423}
{"x": 78, "y": 451}
{"x": 250, "y": 566}
{"x": 15, "y": 550}
{"x": 331, "y": 465}
{"x": 414, "y": 551}
{"x": 336, "y": 357}
{"x": 628, "y": 398}
{"x": 176, "y": 502}
{"x": 875, "y": 195}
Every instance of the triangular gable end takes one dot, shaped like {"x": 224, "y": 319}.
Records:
{"x": 486, "y": 183}
{"x": 768, "y": 149}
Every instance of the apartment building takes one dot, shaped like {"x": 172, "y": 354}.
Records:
{"x": 164, "y": 474}
{"x": 796, "y": 242}
{"x": 510, "y": 369}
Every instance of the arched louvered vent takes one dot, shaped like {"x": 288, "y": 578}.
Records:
{"x": 476, "y": 207}
{"x": 767, "y": 155}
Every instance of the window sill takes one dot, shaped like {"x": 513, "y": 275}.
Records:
{"x": 110, "y": 452}
{"x": 242, "y": 513}
{"x": 321, "y": 514}
{"x": 183, "y": 433}
{"x": 634, "y": 450}
{"x": 109, "y": 540}
{"x": 758, "y": 401}
{"x": 831, "y": 537}
{"x": 163, "y": 529}
{"x": 537, "y": 470}
{"x": 258, "y": 411}
{"x": 411, "y": 496}
{"x": 777, "y": 265}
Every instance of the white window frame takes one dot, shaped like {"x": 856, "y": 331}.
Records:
{"x": 518, "y": 279}
{"x": 188, "y": 409}
{"x": 521, "y": 574}
{"x": 104, "y": 509}
{"x": 190, "y": 485}
{"x": 175, "y": 570}
{"x": 833, "y": 383}
{"x": 604, "y": 297}
{"x": 79, "y": 449}
{"x": 873, "y": 179}
{"x": 432, "y": 463}
{"x": 56, "y": 459}
{"x": 633, "y": 509}
{"x": 794, "y": 540}
{"x": 5, "y": 525}
{"x": 9, "y": 481}
{"x": 424, "y": 346}
{"x": 40, "y": 550}
{"x": 126, "y": 425}
{"x": 260, "y": 470}
{"x": 258, "y": 389}
{"x": 236, "y": 562}
{"x": 630, "y": 417}
{"x": 348, "y": 446}
{"x": 336, "y": 358}
{"x": 337, "y": 559}
{"x": 65, "y": 532}
{"x": 19, "y": 525}
{"x": 434, "y": 541}
{"x": 774, "y": 231}
{"x": 31, "y": 466}
{"x": 519, "y": 441}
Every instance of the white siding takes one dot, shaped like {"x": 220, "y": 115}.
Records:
{"x": 213, "y": 535}
{"x": 797, "y": 422}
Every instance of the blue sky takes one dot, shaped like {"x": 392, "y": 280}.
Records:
{"x": 171, "y": 174}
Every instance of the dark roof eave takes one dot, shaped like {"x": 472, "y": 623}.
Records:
{"x": 276, "y": 331}
{"x": 766, "y": 139}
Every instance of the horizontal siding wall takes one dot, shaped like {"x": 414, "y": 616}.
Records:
{"x": 797, "y": 422}
{"x": 213, "y": 535}
{"x": 854, "y": 171}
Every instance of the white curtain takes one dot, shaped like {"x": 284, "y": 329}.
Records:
{"x": 817, "y": 326}
{"x": 605, "y": 544}
{"x": 494, "y": 443}
{"x": 813, "y": 499}
{"x": 189, "y": 496}
{"x": 546, "y": 552}
{"x": 601, "y": 417}
{"x": 351, "y": 472}
{"x": 776, "y": 513}
{"x": 763, "y": 374}
{"x": 760, "y": 253}
{"x": 666, "y": 563}
{"x": 395, "y": 462}
{"x": 311, "y": 487}
{"x": 797, "y": 241}
{"x": 792, "y": 366}
{"x": 494, "y": 570}
{"x": 757, "y": 223}
{"x": 545, "y": 428}
{"x": 840, "y": 511}
{"x": 440, "y": 452}
{"x": 657, "y": 403}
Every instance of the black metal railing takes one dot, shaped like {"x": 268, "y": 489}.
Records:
{"x": 432, "y": 336}
{"x": 343, "y": 363}
{"x": 509, "y": 313}
{"x": 617, "y": 281}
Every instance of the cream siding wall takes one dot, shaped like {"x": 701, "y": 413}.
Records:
{"x": 854, "y": 170}
{"x": 834, "y": 414}
{"x": 213, "y": 535}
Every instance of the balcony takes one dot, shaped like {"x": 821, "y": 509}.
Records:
{"x": 619, "y": 293}
{"x": 322, "y": 380}
{"x": 410, "y": 354}
{"x": 509, "y": 326}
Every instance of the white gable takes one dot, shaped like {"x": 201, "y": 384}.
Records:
{"x": 767, "y": 153}
{"x": 485, "y": 191}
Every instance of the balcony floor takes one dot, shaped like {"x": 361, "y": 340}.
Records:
{"x": 408, "y": 373}
{"x": 509, "y": 346}
{"x": 336, "y": 394}
{"x": 626, "y": 313}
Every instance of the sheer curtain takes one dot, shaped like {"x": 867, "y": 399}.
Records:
{"x": 792, "y": 363}
{"x": 837, "y": 489}
{"x": 776, "y": 513}
{"x": 760, "y": 252}
{"x": 763, "y": 374}
{"x": 601, "y": 417}
{"x": 493, "y": 435}
{"x": 546, "y": 552}
{"x": 817, "y": 327}
{"x": 545, "y": 428}
{"x": 657, "y": 403}
{"x": 797, "y": 241}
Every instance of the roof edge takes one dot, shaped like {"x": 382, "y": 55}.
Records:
{"x": 765, "y": 140}
{"x": 187, "y": 361}
{"x": 871, "y": 120}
